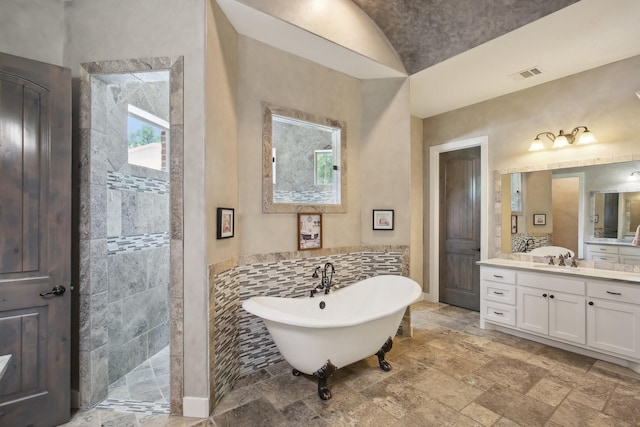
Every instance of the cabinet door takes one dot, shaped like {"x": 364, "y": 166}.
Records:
{"x": 567, "y": 317}
{"x": 614, "y": 327}
{"x": 630, "y": 259}
{"x": 533, "y": 310}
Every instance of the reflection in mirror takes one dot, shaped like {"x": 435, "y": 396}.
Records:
{"x": 304, "y": 162}
{"x": 602, "y": 203}
{"x": 616, "y": 214}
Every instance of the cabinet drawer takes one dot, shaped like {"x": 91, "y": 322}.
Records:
{"x": 500, "y": 313}
{"x": 498, "y": 292}
{"x": 552, "y": 283}
{"x": 629, "y": 250}
{"x": 603, "y": 257}
{"x": 499, "y": 275}
{"x": 604, "y": 249}
{"x": 614, "y": 291}
{"x": 630, "y": 259}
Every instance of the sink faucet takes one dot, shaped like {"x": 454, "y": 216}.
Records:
{"x": 325, "y": 282}
{"x": 561, "y": 260}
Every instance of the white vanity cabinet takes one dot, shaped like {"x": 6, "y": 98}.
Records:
{"x": 629, "y": 255}
{"x": 607, "y": 253}
{"x": 613, "y": 317}
{"x": 497, "y": 287}
{"x": 596, "y": 313}
{"x": 551, "y": 305}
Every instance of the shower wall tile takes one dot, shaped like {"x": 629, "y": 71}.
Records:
{"x": 98, "y": 211}
{"x": 99, "y": 318}
{"x": 115, "y": 325}
{"x": 84, "y": 323}
{"x": 144, "y": 311}
{"x": 98, "y": 161}
{"x": 99, "y": 374}
{"x": 99, "y": 102}
{"x": 158, "y": 266}
{"x": 158, "y": 337}
{"x": 126, "y": 357}
{"x": 127, "y": 274}
{"x": 114, "y": 213}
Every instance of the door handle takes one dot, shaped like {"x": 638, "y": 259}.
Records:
{"x": 56, "y": 291}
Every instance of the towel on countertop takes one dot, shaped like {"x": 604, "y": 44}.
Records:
{"x": 636, "y": 240}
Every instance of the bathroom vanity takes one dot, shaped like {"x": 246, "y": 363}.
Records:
{"x": 585, "y": 310}
{"x": 612, "y": 250}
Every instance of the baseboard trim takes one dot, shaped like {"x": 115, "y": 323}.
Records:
{"x": 196, "y": 407}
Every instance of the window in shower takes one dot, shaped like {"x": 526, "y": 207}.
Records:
{"x": 148, "y": 138}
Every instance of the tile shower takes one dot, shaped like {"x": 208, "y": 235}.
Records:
{"x": 124, "y": 312}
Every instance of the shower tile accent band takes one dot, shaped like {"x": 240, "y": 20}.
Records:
{"x": 122, "y": 181}
{"x": 138, "y": 242}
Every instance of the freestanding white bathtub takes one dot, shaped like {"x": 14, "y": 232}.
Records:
{"x": 319, "y": 334}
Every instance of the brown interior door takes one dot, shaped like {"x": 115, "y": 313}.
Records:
{"x": 460, "y": 228}
{"x": 35, "y": 241}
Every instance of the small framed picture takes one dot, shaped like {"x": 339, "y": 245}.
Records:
{"x": 309, "y": 231}
{"x": 514, "y": 224}
{"x": 539, "y": 219}
{"x": 383, "y": 219}
{"x": 226, "y": 223}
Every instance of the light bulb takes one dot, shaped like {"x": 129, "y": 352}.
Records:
{"x": 536, "y": 145}
{"x": 586, "y": 138}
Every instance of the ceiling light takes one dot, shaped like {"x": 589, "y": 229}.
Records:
{"x": 563, "y": 139}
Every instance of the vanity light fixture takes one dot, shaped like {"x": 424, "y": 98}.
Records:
{"x": 634, "y": 176}
{"x": 563, "y": 139}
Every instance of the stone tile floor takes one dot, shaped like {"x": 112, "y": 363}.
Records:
{"x": 451, "y": 373}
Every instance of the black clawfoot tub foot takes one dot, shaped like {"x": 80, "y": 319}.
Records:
{"x": 296, "y": 373}
{"x": 386, "y": 347}
{"x": 323, "y": 374}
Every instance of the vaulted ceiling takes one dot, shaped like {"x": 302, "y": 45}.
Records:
{"x": 426, "y": 32}
{"x": 455, "y": 52}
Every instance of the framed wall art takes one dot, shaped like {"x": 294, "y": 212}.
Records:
{"x": 226, "y": 223}
{"x": 539, "y": 219}
{"x": 309, "y": 231}
{"x": 383, "y": 219}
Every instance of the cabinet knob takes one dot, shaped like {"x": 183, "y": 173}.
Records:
{"x": 544, "y": 295}
{"x": 551, "y": 296}
{"x": 590, "y": 302}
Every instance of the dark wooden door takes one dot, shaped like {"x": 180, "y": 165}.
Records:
{"x": 460, "y": 228}
{"x": 35, "y": 241}
{"x": 611, "y": 215}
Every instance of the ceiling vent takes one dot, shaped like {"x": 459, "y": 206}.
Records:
{"x": 525, "y": 74}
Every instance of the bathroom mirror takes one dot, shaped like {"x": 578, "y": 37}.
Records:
{"x": 304, "y": 161}
{"x": 616, "y": 215}
{"x": 613, "y": 181}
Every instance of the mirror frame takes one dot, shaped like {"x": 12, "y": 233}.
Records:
{"x": 551, "y": 166}
{"x": 268, "y": 205}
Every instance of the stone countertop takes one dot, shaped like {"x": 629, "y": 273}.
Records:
{"x": 614, "y": 242}
{"x": 587, "y": 272}
{"x": 4, "y": 364}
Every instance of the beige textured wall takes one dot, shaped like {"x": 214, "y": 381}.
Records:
{"x": 385, "y": 159}
{"x": 33, "y": 29}
{"x": 221, "y": 87}
{"x": 537, "y": 200}
{"x": 271, "y": 75}
{"x": 417, "y": 225}
{"x": 603, "y": 99}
